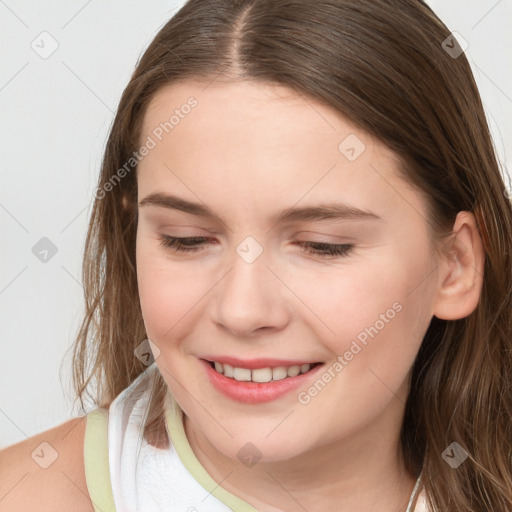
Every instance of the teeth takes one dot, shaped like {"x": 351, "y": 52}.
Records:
{"x": 260, "y": 374}
{"x": 279, "y": 373}
{"x": 293, "y": 371}
{"x": 242, "y": 374}
{"x": 228, "y": 370}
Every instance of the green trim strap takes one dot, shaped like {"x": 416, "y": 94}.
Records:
{"x": 97, "y": 470}
{"x": 174, "y": 418}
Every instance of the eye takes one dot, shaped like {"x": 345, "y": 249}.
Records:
{"x": 325, "y": 249}
{"x": 194, "y": 243}
{"x": 190, "y": 244}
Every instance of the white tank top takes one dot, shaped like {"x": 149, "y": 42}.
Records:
{"x": 125, "y": 473}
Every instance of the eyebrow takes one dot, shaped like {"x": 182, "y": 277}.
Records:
{"x": 318, "y": 212}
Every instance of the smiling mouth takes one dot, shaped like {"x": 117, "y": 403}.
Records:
{"x": 261, "y": 375}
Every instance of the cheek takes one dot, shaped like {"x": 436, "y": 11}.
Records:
{"x": 167, "y": 295}
{"x": 375, "y": 313}
{"x": 379, "y": 320}
{"x": 166, "y": 300}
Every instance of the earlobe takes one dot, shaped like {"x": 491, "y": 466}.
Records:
{"x": 461, "y": 264}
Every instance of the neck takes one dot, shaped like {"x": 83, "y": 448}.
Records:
{"x": 363, "y": 471}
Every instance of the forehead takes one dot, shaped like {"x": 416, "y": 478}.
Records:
{"x": 241, "y": 117}
{"x": 249, "y": 139}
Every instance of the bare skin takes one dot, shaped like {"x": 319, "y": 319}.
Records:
{"x": 249, "y": 151}
{"x": 25, "y": 486}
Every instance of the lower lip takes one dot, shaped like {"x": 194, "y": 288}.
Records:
{"x": 253, "y": 392}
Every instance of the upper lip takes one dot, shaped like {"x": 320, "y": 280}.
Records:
{"x": 261, "y": 362}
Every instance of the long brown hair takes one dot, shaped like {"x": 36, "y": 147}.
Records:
{"x": 386, "y": 67}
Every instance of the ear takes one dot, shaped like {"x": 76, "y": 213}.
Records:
{"x": 461, "y": 265}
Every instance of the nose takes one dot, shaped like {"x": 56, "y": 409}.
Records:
{"x": 250, "y": 300}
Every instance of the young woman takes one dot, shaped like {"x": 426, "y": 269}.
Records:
{"x": 298, "y": 275}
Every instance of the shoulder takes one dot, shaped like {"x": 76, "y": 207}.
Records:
{"x": 46, "y": 472}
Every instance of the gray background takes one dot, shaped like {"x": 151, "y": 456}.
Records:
{"x": 56, "y": 112}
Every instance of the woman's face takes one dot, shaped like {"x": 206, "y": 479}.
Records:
{"x": 272, "y": 177}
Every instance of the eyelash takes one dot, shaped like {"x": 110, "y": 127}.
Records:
{"x": 191, "y": 244}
